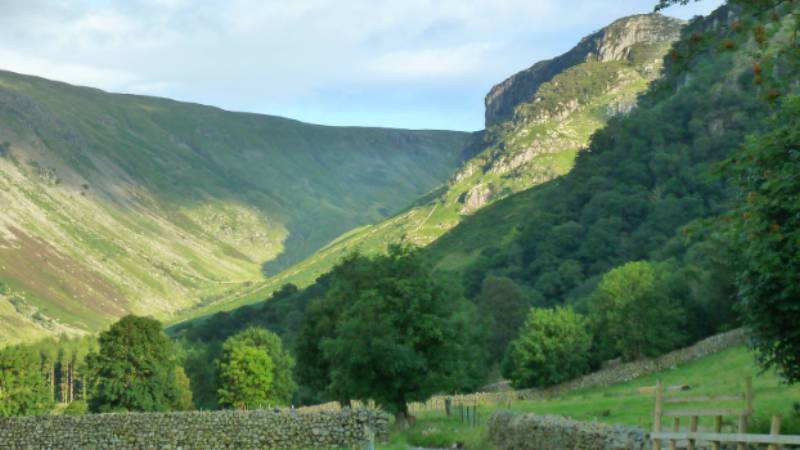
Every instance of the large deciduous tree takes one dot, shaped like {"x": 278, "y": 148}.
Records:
{"x": 255, "y": 371}
{"x": 633, "y": 314}
{"x": 553, "y": 346}
{"x": 765, "y": 232}
{"x": 400, "y": 334}
{"x": 134, "y": 368}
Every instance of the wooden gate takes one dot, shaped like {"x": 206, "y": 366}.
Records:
{"x": 664, "y": 408}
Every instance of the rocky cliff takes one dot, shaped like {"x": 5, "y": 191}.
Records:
{"x": 615, "y": 42}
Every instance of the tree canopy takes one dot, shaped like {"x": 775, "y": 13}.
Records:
{"x": 765, "y": 232}
{"x": 401, "y": 334}
{"x": 633, "y": 314}
{"x": 23, "y": 389}
{"x": 134, "y": 368}
{"x": 553, "y": 346}
{"x": 255, "y": 370}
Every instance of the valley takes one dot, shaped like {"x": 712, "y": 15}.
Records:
{"x": 118, "y": 203}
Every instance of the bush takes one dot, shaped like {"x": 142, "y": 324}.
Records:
{"x": 76, "y": 408}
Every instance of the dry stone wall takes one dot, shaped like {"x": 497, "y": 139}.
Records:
{"x": 628, "y": 371}
{"x": 619, "y": 373}
{"x": 240, "y": 430}
{"x": 509, "y": 431}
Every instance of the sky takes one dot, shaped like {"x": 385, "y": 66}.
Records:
{"x": 392, "y": 63}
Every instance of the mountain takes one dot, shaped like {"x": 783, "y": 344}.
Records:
{"x": 652, "y": 185}
{"x": 555, "y": 105}
{"x": 121, "y": 203}
{"x": 620, "y": 41}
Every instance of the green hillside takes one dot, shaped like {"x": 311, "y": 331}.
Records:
{"x": 718, "y": 374}
{"x": 117, "y": 203}
{"x": 650, "y": 185}
{"x": 598, "y": 79}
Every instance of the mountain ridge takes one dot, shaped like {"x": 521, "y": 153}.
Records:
{"x": 506, "y": 95}
{"x": 123, "y": 203}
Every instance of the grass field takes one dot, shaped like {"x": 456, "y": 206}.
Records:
{"x": 721, "y": 373}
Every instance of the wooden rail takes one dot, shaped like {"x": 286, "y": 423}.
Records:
{"x": 727, "y": 437}
{"x": 741, "y": 438}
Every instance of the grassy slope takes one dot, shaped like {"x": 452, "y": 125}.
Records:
{"x": 721, "y": 373}
{"x": 116, "y": 203}
{"x": 522, "y": 153}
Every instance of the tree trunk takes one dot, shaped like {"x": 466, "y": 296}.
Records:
{"x": 71, "y": 396}
{"x": 403, "y": 419}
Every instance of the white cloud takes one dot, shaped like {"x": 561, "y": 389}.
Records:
{"x": 261, "y": 54}
{"x": 88, "y": 75}
{"x": 427, "y": 63}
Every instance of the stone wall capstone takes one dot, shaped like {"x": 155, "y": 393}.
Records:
{"x": 510, "y": 431}
{"x": 196, "y": 430}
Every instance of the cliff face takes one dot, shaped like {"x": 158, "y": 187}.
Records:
{"x": 615, "y": 42}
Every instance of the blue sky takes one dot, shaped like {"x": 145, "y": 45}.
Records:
{"x": 403, "y": 63}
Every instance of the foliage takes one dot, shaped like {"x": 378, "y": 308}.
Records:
{"x": 184, "y": 400}
{"x": 202, "y": 340}
{"x": 503, "y": 305}
{"x": 134, "y": 368}
{"x": 255, "y": 370}
{"x": 401, "y": 334}
{"x": 765, "y": 233}
{"x": 23, "y": 389}
{"x": 645, "y": 190}
{"x": 553, "y": 346}
{"x": 633, "y": 315}
{"x": 76, "y": 408}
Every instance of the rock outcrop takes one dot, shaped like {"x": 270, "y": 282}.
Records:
{"x": 613, "y": 43}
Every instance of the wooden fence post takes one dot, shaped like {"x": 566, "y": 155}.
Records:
{"x": 692, "y": 429}
{"x": 748, "y": 396}
{"x": 774, "y": 430}
{"x": 717, "y": 429}
{"x": 658, "y": 413}
{"x": 461, "y": 408}
{"x": 676, "y": 427}
{"x": 447, "y": 403}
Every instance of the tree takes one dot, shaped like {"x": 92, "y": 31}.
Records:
{"x": 134, "y": 368}
{"x": 255, "y": 371}
{"x": 765, "y": 232}
{"x": 352, "y": 274}
{"x": 402, "y": 336}
{"x": 664, "y": 4}
{"x": 633, "y": 315}
{"x": 23, "y": 389}
{"x": 553, "y": 346}
{"x": 503, "y": 305}
{"x": 184, "y": 400}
